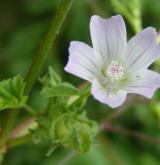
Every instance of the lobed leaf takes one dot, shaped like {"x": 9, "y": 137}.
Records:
{"x": 54, "y": 87}
{"x": 11, "y": 93}
{"x": 64, "y": 89}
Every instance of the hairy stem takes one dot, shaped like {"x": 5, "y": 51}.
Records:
{"x": 19, "y": 141}
{"x": 38, "y": 61}
{"x": 8, "y": 126}
{"x": 49, "y": 39}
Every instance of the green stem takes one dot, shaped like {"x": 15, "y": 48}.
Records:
{"x": 8, "y": 126}
{"x": 19, "y": 141}
{"x": 38, "y": 61}
{"x": 49, "y": 39}
{"x": 30, "y": 110}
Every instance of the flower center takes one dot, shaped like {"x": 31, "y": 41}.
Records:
{"x": 115, "y": 71}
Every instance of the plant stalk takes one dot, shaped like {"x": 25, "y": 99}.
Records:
{"x": 48, "y": 41}
{"x": 38, "y": 62}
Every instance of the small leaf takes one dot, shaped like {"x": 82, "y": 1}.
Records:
{"x": 11, "y": 93}
{"x": 78, "y": 101}
{"x": 64, "y": 89}
{"x": 54, "y": 87}
{"x": 51, "y": 78}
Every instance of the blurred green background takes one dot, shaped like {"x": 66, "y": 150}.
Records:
{"x": 22, "y": 26}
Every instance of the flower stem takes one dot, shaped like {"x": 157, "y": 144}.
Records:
{"x": 8, "y": 126}
{"x": 19, "y": 141}
{"x": 38, "y": 61}
{"x": 30, "y": 110}
{"x": 135, "y": 134}
{"x": 49, "y": 39}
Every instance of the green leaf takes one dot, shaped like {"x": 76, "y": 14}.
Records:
{"x": 131, "y": 10}
{"x": 51, "y": 78}
{"x": 54, "y": 87}
{"x": 78, "y": 101}
{"x": 11, "y": 93}
{"x": 64, "y": 89}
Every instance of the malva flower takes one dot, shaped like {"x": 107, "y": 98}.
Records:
{"x": 115, "y": 67}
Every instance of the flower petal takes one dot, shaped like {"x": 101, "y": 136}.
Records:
{"x": 81, "y": 61}
{"x": 144, "y": 83}
{"x": 109, "y": 37}
{"x": 112, "y": 99}
{"x": 142, "y": 50}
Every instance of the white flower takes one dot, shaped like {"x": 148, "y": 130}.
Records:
{"x": 113, "y": 66}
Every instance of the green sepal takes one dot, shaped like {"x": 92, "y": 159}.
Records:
{"x": 11, "y": 93}
{"x": 74, "y": 131}
{"x": 65, "y": 122}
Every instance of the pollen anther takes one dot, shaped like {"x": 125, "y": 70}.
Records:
{"x": 115, "y": 71}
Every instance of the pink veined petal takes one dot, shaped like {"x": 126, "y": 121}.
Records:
{"x": 114, "y": 100}
{"x": 81, "y": 61}
{"x": 144, "y": 83}
{"x": 142, "y": 50}
{"x": 109, "y": 38}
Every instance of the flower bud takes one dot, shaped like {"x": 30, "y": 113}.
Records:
{"x": 74, "y": 131}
